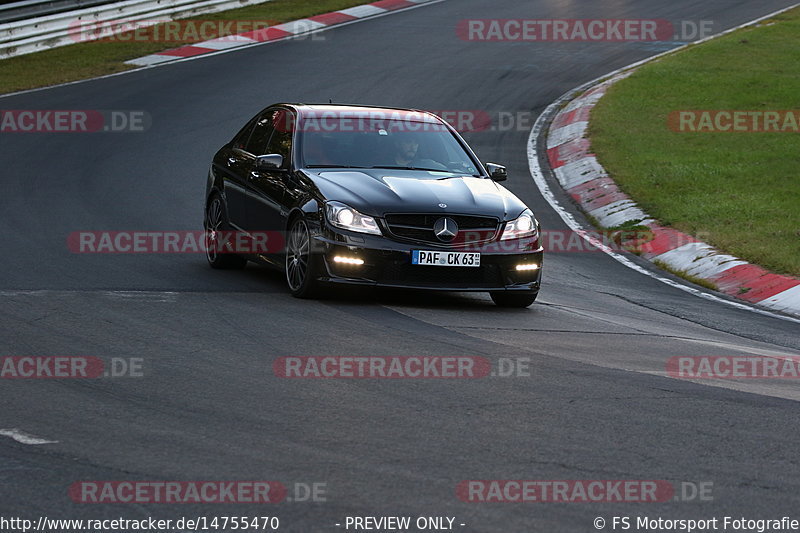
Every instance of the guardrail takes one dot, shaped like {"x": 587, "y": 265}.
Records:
{"x": 42, "y": 33}
{"x": 26, "y": 9}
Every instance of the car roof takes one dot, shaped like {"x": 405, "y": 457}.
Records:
{"x": 350, "y": 111}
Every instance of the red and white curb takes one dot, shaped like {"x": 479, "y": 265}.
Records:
{"x": 585, "y": 180}
{"x": 278, "y": 32}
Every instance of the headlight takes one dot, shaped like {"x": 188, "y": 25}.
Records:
{"x": 345, "y": 217}
{"x": 523, "y": 226}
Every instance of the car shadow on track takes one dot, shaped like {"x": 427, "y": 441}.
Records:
{"x": 273, "y": 282}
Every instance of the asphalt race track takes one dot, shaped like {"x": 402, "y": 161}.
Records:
{"x": 597, "y": 403}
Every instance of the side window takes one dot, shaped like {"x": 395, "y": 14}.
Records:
{"x": 240, "y": 141}
{"x": 257, "y": 143}
{"x": 281, "y": 141}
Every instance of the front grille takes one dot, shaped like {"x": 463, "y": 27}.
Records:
{"x": 419, "y": 227}
{"x": 395, "y": 273}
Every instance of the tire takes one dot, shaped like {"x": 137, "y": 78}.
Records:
{"x": 514, "y": 299}
{"x": 216, "y": 220}
{"x": 301, "y": 266}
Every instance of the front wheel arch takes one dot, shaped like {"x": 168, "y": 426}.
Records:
{"x": 301, "y": 259}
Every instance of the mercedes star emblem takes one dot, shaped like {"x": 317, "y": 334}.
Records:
{"x": 445, "y": 229}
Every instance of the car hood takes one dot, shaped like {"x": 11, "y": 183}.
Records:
{"x": 376, "y": 192}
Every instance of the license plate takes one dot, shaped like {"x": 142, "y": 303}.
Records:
{"x": 457, "y": 259}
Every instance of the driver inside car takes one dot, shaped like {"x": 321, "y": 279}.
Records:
{"x": 406, "y": 153}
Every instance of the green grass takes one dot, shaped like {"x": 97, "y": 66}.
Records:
{"x": 87, "y": 60}
{"x": 741, "y": 191}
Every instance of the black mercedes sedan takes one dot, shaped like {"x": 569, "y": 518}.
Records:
{"x": 371, "y": 196}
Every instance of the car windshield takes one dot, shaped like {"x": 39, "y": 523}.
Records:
{"x": 390, "y": 144}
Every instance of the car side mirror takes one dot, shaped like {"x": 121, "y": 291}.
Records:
{"x": 497, "y": 172}
{"x": 269, "y": 162}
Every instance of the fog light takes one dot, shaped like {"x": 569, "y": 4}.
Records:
{"x": 532, "y": 266}
{"x": 348, "y": 260}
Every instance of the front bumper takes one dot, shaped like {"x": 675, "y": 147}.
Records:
{"x": 387, "y": 263}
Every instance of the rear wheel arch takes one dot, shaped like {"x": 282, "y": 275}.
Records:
{"x": 216, "y": 220}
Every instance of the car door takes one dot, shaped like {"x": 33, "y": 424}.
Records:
{"x": 237, "y": 164}
{"x": 267, "y": 186}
